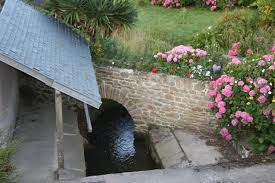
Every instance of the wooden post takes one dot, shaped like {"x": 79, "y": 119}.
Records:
{"x": 88, "y": 119}
{"x": 59, "y": 129}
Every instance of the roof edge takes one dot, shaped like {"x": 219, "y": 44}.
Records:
{"x": 51, "y": 83}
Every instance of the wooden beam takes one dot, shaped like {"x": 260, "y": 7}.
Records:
{"x": 88, "y": 119}
{"x": 59, "y": 129}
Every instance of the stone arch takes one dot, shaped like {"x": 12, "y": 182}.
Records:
{"x": 107, "y": 91}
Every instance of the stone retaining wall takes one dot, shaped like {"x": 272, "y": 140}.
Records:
{"x": 151, "y": 99}
{"x": 157, "y": 99}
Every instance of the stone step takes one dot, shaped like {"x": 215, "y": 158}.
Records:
{"x": 179, "y": 148}
{"x": 196, "y": 150}
{"x": 165, "y": 149}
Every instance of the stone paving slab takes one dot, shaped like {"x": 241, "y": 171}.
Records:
{"x": 166, "y": 148}
{"x": 196, "y": 149}
{"x": 255, "y": 174}
{"x": 179, "y": 148}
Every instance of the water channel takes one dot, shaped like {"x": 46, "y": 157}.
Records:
{"x": 113, "y": 146}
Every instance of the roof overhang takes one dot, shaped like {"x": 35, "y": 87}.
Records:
{"x": 49, "y": 82}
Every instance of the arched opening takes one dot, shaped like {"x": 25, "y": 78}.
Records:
{"x": 112, "y": 146}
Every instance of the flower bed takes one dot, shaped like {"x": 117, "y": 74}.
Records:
{"x": 242, "y": 99}
{"x": 186, "y": 61}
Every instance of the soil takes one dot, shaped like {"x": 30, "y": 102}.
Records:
{"x": 231, "y": 156}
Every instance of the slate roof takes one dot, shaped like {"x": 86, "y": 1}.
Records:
{"x": 47, "y": 50}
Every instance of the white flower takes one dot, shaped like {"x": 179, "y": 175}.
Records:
{"x": 207, "y": 73}
{"x": 113, "y": 63}
{"x": 199, "y": 67}
{"x": 263, "y": 70}
{"x": 210, "y": 27}
{"x": 269, "y": 92}
{"x": 236, "y": 82}
{"x": 191, "y": 76}
{"x": 270, "y": 84}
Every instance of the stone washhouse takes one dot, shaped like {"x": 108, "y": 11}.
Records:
{"x": 45, "y": 49}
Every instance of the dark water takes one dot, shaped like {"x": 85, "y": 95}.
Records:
{"x": 113, "y": 147}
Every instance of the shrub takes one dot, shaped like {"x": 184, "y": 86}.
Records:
{"x": 7, "y": 174}
{"x": 241, "y": 26}
{"x": 100, "y": 16}
{"x": 241, "y": 100}
{"x": 266, "y": 9}
{"x": 245, "y": 2}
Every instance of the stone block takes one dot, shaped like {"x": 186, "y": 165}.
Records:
{"x": 196, "y": 149}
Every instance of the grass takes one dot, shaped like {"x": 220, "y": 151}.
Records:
{"x": 157, "y": 29}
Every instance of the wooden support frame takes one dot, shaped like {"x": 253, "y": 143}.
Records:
{"x": 59, "y": 129}
{"x": 88, "y": 119}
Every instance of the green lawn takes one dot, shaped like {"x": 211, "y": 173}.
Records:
{"x": 158, "y": 29}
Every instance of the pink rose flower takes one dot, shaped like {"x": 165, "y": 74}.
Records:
{"x": 240, "y": 83}
{"x": 213, "y": 8}
{"x": 224, "y": 132}
{"x": 227, "y": 92}
{"x": 268, "y": 57}
{"x": 235, "y": 61}
{"x": 261, "y": 81}
{"x": 232, "y": 52}
{"x": 249, "y": 51}
{"x": 271, "y": 148}
{"x": 246, "y": 88}
{"x": 218, "y": 98}
{"x": 264, "y": 90}
{"x": 234, "y": 122}
{"x": 249, "y": 79}
{"x": 235, "y": 46}
{"x": 238, "y": 114}
{"x": 210, "y": 105}
{"x": 228, "y": 87}
{"x": 213, "y": 84}
{"x": 261, "y": 63}
{"x": 190, "y": 61}
{"x": 247, "y": 117}
{"x": 261, "y": 99}
{"x": 212, "y": 93}
{"x": 228, "y": 137}
{"x": 163, "y": 55}
{"x": 272, "y": 67}
{"x": 218, "y": 115}
{"x": 221, "y": 104}
{"x": 266, "y": 111}
{"x": 252, "y": 93}
{"x": 222, "y": 110}
{"x": 169, "y": 58}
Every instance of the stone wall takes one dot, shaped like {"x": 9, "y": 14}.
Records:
{"x": 8, "y": 98}
{"x": 157, "y": 99}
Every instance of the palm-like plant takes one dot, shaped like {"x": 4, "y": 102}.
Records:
{"x": 94, "y": 16}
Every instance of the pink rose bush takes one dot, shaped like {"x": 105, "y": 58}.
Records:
{"x": 242, "y": 98}
{"x": 167, "y": 3}
{"x": 212, "y": 4}
{"x": 186, "y": 61}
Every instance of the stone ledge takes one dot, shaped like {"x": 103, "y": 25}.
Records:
{"x": 179, "y": 149}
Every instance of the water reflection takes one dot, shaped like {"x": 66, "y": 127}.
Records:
{"x": 113, "y": 147}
